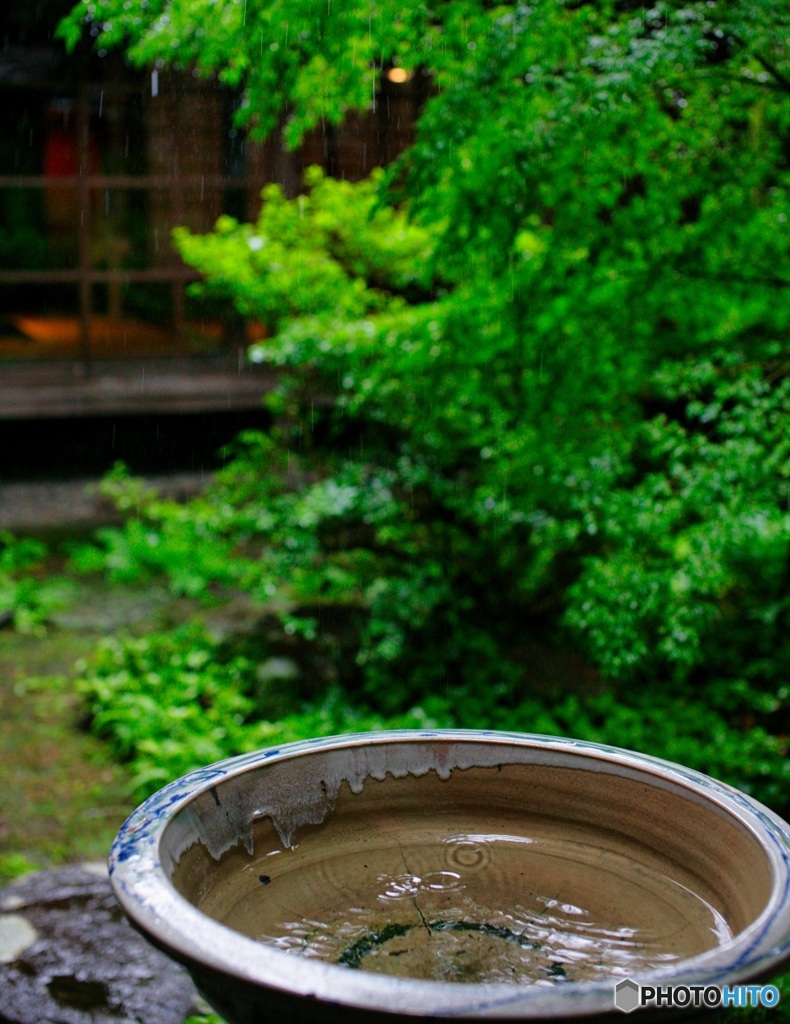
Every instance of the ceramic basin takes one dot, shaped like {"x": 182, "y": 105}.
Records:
{"x": 472, "y": 875}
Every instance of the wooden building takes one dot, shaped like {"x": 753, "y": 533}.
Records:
{"x": 98, "y": 163}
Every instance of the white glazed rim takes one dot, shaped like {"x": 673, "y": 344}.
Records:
{"x": 153, "y": 904}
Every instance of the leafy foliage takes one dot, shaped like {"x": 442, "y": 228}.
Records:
{"x": 27, "y": 596}
{"x": 695, "y": 568}
{"x": 161, "y": 536}
{"x": 167, "y": 702}
{"x": 13, "y": 866}
{"x": 333, "y": 252}
{"x": 534, "y": 375}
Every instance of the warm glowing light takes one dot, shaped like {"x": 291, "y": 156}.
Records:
{"x": 398, "y": 75}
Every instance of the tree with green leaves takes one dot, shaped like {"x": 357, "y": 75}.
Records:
{"x": 547, "y": 348}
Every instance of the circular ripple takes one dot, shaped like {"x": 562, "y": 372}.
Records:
{"x": 467, "y": 855}
{"x": 407, "y": 886}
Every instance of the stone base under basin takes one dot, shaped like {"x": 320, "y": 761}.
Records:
{"x": 68, "y": 955}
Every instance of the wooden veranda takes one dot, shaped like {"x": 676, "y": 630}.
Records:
{"x": 63, "y": 388}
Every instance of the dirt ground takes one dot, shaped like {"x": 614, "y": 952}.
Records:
{"x": 62, "y": 799}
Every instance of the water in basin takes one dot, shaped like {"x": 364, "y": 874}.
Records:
{"x": 421, "y": 896}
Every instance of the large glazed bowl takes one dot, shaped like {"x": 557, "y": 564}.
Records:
{"x": 586, "y": 863}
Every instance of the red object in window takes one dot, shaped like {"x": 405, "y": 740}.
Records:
{"x": 62, "y": 160}
{"x": 61, "y": 155}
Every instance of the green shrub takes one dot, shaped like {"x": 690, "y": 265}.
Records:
{"x": 691, "y": 577}
{"x": 167, "y": 703}
{"x": 534, "y": 376}
{"x": 187, "y": 545}
{"x": 28, "y": 596}
{"x": 13, "y": 866}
